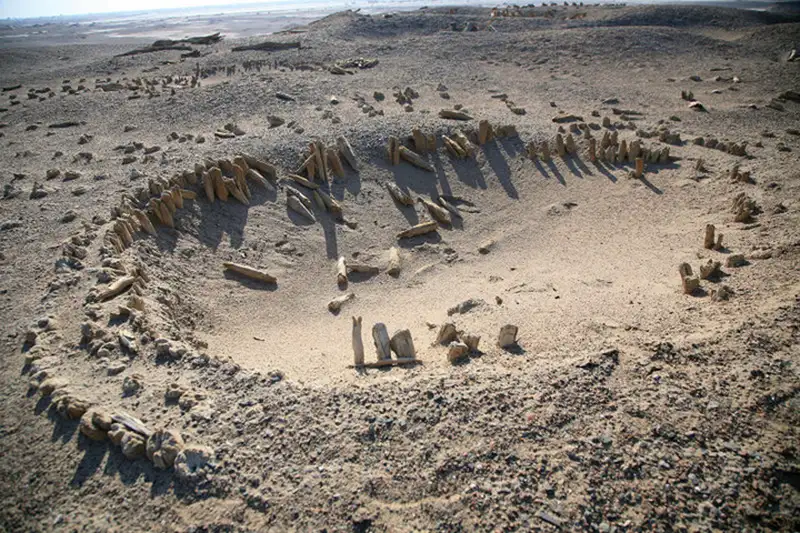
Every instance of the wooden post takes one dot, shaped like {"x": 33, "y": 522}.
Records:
{"x": 382, "y": 343}
{"x": 358, "y": 345}
{"x": 708, "y": 241}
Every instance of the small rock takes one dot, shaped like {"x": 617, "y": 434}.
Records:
{"x": 193, "y": 461}
{"x": 465, "y": 306}
{"x": 163, "y": 447}
{"x": 114, "y": 368}
{"x": 275, "y": 121}
{"x": 133, "y": 445}
{"x": 456, "y": 351}
{"x": 486, "y": 247}
{"x": 69, "y": 216}
{"x": 735, "y": 260}
{"x": 132, "y": 384}
{"x": 174, "y": 391}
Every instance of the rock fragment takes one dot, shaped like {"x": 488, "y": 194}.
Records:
{"x": 456, "y": 351}
{"x": 447, "y": 333}
{"x": 163, "y": 447}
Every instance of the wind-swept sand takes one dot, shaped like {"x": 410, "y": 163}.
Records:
{"x": 626, "y": 405}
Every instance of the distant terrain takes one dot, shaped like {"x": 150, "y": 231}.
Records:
{"x": 564, "y": 239}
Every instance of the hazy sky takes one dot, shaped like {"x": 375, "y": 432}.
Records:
{"x": 46, "y": 8}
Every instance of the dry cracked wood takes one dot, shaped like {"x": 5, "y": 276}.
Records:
{"x": 330, "y": 204}
{"x": 439, "y": 214}
{"x": 380, "y": 337}
{"x": 450, "y": 207}
{"x": 402, "y": 344}
{"x": 399, "y": 194}
{"x": 116, "y": 288}
{"x": 393, "y": 151}
{"x": 302, "y": 181}
{"x": 464, "y": 143}
{"x": 394, "y": 262}
{"x": 453, "y": 147}
{"x": 454, "y": 115}
{"x": 420, "y": 229}
{"x": 250, "y": 272}
{"x": 341, "y": 271}
{"x": 144, "y": 221}
{"x": 358, "y": 344}
{"x": 254, "y": 175}
{"x": 420, "y": 140}
{"x": 362, "y": 268}
{"x": 297, "y": 206}
{"x": 390, "y": 362}
{"x": 335, "y": 305}
{"x": 508, "y": 336}
{"x": 265, "y": 169}
{"x": 484, "y": 132}
{"x": 347, "y": 152}
{"x": 414, "y": 158}
{"x": 334, "y": 163}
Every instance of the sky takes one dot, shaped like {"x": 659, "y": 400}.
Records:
{"x": 49, "y": 8}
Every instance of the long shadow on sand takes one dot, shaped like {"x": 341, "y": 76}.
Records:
{"x": 214, "y": 220}
{"x": 497, "y": 152}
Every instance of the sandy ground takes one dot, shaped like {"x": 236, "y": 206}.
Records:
{"x": 626, "y": 405}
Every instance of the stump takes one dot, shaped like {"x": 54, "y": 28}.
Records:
{"x": 708, "y": 241}
{"x": 382, "y": 343}
{"x": 508, "y": 336}
{"x": 403, "y": 345}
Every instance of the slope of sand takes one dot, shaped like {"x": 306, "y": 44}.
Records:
{"x": 626, "y": 405}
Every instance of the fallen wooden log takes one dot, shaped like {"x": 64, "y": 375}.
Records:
{"x": 265, "y": 169}
{"x": 389, "y": 362}
{"x": 249, "y": 272}
{"x": 440, "y": 214}
{"x": 380, "y": 338}
{"x": 116, "y": 288}
{"x": 297, "y": 206}
{"x": 419, "y": 229}
{"x": 335, "y": 305}
{"x": 399, "y": 194}
{"x": 414, "y": 158}
{"x": 454, "y": 115}
{"x": 304, "y": 182}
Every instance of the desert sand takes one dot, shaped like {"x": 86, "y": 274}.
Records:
{"x": 566, "y": 162}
